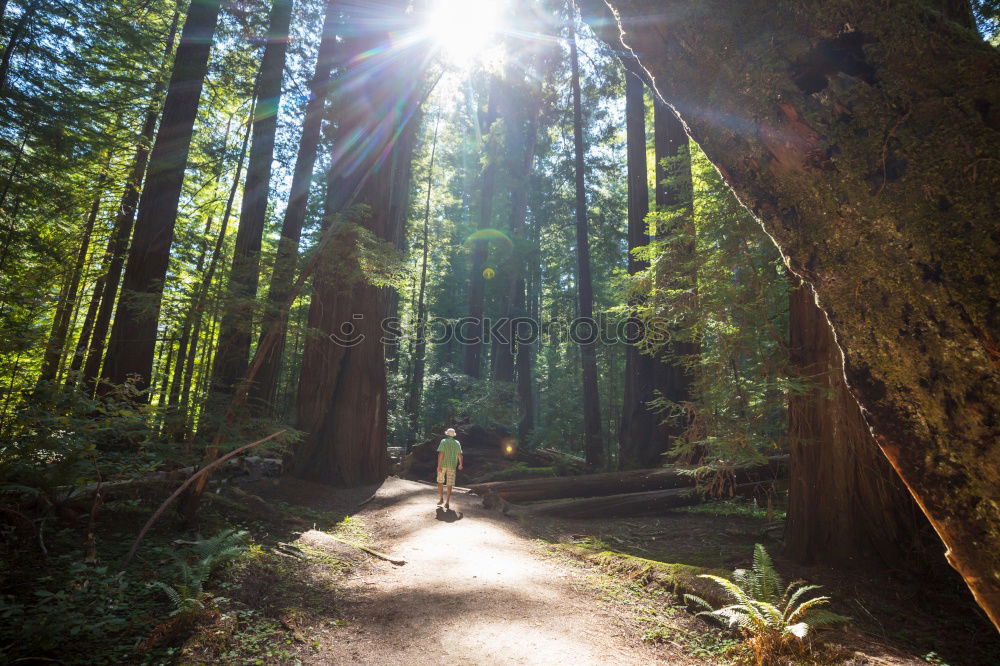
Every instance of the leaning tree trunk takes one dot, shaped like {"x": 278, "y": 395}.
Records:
{"x": 593, "y": 445}
{"x": 133, "y": 335}
{"x": 866, "y": 145}
{"x": 244, "y": 276}
{"x": 342, "y": 388}
{"x": 264, "y": 389}
{"x": 845, "y": 504}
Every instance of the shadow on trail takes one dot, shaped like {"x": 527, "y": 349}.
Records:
{"x": 448, "y": 515}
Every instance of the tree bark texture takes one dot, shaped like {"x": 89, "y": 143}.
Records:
{"x": 133, "y": 335}
{"x": 866, "y": 142}
{"x": 846, "y": 504}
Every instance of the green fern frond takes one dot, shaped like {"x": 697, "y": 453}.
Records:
{"x": 768, "y": 580}
{"x": 790, "y": 604}
{"x": 822, "y": 618}
{"x": 799, "y": 612}
{"x": 698, "y": 602}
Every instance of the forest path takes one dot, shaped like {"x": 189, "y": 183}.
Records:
{"x": 474, "y": 589}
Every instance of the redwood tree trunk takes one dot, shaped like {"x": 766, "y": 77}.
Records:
{"x": 593, "y": 444}
{"x": 867, "y": 147}
{"x": 342, "y": 389}
{"x": 237, "y": 318}
{"x": 845, "y": 504}
{"x": 640, "y": 441}
{"x": 133, "y": 335}
{"x": 264, "y": 389}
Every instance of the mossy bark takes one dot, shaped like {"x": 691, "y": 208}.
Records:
{"x": 866, "y": 142}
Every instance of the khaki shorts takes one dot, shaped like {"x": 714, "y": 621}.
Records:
{"x": 446, "y": 476}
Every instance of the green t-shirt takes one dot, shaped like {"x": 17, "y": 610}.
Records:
{"x": 452, "y": 450}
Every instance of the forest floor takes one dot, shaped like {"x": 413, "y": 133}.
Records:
{"x": 480, "y": 587}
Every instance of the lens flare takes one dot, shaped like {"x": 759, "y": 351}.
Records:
{"x": 487, "y": 235}
{"x": 464, "y": 30}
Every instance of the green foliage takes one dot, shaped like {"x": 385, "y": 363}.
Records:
{"x": 61, "y": 436}
{"x": 736, "y": 312}
{"x": 80, "y": 605}
{"x": 773, "y": 618}
{"x": 453, "y": 397}
{"x": 186, "y": 592}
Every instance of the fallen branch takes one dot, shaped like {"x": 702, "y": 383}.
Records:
{"x": 184, "y": 486}
{"x": 628, "y": 504}
{"x": 370, "y": 551}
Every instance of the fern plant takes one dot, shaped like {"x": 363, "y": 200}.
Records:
{"x": 773, "y": 617}
{"x": 187, "y": 593}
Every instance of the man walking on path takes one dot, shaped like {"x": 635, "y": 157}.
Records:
{"x": 449, "y": 455}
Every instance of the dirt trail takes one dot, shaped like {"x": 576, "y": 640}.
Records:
{"x": 473, "y": 590}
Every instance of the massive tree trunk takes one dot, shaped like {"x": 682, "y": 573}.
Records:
{"x": 342, "y": 389}
{"x": 472, "y": 354}
{"x": 593, "y": 444}
{"x": 241, "y": 298}
{"x": 866, "y": 144}
{"x": 845, "y": 504}
{"x": 263, "y": 391}
{"x": 133, "y": 335}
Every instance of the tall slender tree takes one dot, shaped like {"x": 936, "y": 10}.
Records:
{"x": 472, "y": 356}
{"x": 133, "y": 335}
{"x": 420, "y": 345}
{"x": 593, "y": 442}
{"x": 262, "y": 393}
{"x": 674, "y": 198}
{"x": 638, "y": 437}
{"x": 56, "y": 346}
{"x": 237, "y": 318}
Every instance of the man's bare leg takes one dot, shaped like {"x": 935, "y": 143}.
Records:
{"x": 447, "y": 502}
{"x": 441, "y": 493}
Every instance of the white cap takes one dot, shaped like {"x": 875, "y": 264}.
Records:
{"x": 450, "y": 432}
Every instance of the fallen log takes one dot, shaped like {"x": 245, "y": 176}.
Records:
{"x": 627, "y": 504}
{"x": 615, "y": 483}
